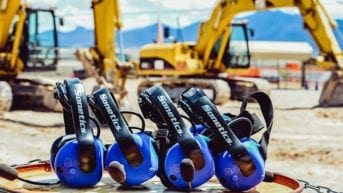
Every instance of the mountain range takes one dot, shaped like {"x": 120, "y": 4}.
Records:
{"x": 267, "y": 25}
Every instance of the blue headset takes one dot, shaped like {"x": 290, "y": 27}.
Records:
{"x": 239, "y": 160}
{"x": 185, "y": 160}
{"x": 77, "y": 157}
{"x": 134, "y": 152}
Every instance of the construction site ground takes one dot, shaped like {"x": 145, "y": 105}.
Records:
{"x": 306, "y": 142}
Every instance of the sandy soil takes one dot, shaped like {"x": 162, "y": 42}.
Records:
{"x": 306, "y": 142}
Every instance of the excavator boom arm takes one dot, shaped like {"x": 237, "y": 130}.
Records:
{"x": 8, "y": 11}
{"x": 103, "y": 64}
{"x": 106, "y": 18}
{"x": 315, "y": 17}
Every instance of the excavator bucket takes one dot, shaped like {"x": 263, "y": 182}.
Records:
{"x": 332, "y": 93}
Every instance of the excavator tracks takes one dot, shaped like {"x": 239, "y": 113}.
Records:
{"x": 34, "y": 94}
{"x": 216, "y": 89}
{"x": 242, "y": 86}
{"x": 23, "y": 93}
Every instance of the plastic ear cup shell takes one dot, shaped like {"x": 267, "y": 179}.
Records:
{"x": 229, "y": 174}
{"x": 58, "y": 143}
{"x": 66, "y": 165}
{"x": 174, "y": 158}
{"x": 143, "y": 172}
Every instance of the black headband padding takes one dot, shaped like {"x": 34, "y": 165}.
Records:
{"x": 156, "y": 101}
{"x": 109, "y": 110}
{"x": 81, "y": 124}
{"x": 267, "y": 109}
{"x": 197, "y": 105}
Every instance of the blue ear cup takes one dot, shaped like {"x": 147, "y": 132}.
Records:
{"x": 176, "y": 145}
{"x": 174, "y": 157}
{"x": 239, "y": 160}
{"x": 66, "y": 165}
{"x": 147, "y": 167}
{"x": 230, "y": 175}
{"x": 56, "y": 146}
{"x": 134, "y": 152}
{"x": 77, "y": 157}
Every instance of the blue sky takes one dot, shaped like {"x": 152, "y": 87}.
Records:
{"x": 138, "y": 13}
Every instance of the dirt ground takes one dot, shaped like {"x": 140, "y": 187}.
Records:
{"x": 306, "y": 142}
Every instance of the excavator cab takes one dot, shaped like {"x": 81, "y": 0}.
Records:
{"x": 179, "y": 58}
{"x": 41, "y": 41}
{"x": 236, "y": 50}
{"x": 38, "y": 41}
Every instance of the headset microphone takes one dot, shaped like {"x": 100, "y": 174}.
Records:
{"x": 187, "y": 170}
{"x": 10, "y": 173}
{"x": 117, "y": 171}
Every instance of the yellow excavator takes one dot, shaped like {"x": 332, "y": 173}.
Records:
{"x": 221, "y": 48}
{"x": 24, "y": 48}
{"x": 102, "y": 61}
{"x": 226, "y": 75}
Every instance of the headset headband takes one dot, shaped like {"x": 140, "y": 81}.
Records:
{"x": 158, "y": 106}
{"x": 106, "y": 108}
{"x": 268, "y": 114}
{"x": 75, "y": 112}
{"x": 60, "y": 93}
{"x": 195, "y": 103}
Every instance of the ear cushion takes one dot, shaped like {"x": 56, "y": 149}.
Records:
{"x": 162, "y": 144}
{"x": 66, "y": 163}
{"x": 58, "y": 143}
{"x": 174, "y": 158}
{"x": 147, "y": 169}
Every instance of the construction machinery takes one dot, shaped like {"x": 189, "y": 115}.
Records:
{"x": 226, "y": 75}
{"x": 211, "y": 62}
{"x": 101, "y": 61}
{"x": 24, "y": 46}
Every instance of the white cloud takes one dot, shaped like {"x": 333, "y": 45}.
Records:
{"x": 74, "y": 17}
{"x": 335, "y": 10}
{"x": 138, "y": 21}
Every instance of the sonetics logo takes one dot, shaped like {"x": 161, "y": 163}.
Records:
{"x": 170, "y": 114}
{"x": 113, "y": 117}
{"x": 219, "y": 126}
{"x": 82, "y": 119}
